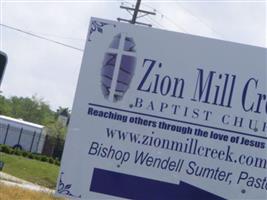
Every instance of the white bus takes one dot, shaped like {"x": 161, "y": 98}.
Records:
{"x": 21, "y": 134}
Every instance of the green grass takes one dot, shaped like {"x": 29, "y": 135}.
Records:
{"x": 35, "y": 171}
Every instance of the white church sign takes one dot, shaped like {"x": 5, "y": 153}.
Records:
{"x": 165, "y": 115}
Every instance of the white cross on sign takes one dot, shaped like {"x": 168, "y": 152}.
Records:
{"x": 119, "y": 53}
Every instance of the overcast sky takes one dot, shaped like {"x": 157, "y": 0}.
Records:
{"x": 51, "y": 71}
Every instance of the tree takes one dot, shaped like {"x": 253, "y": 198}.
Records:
{"x": 5, "y": 108}
{"x": 57, "y": 130}
{"x": 31, "y": 109}
{"x": 62, "y": 110}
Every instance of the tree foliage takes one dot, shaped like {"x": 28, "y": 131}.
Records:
{"x": 34, "y": 110}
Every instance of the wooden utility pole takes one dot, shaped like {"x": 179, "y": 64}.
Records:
{"x": 135, "y": 11}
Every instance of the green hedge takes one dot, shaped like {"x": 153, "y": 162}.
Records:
{"x": 9, "y": 150}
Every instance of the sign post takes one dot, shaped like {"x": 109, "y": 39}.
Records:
{"x": 165, "y": 115}
{"x": 3, "y": 61}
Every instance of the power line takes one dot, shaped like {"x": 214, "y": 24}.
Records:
{"x": 155, "y": 22}
{"x": 200, "y": 20}
{"x": 190, "y": 13}
{"x": 40, "y": 37}
{"x": 167, "y": 18}
{"x": 150, "y": 19}
{"x": 59, "y": 36}
{"x": 178, "y": 26}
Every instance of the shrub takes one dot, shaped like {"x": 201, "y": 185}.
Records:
{"x": 30, "y": 156}
{"x": 57, "y": 162}
{"x": 38, "y": 157}
{"x": 6, "y": 149}
{"x": 25, "y": 154}
{"x": 9, "y": 150}
{"x": 35, "y": 156}
{"x": 17, "y": 147}
{"x": 44, "y": 159}
{"x": 17, "y": 152}
{"x": 51, "y": 160}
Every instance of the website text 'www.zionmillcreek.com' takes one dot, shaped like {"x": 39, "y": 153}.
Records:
{"x": 190, "y": 146}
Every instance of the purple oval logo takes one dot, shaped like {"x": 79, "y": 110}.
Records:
{"x": 118, "y": 67}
